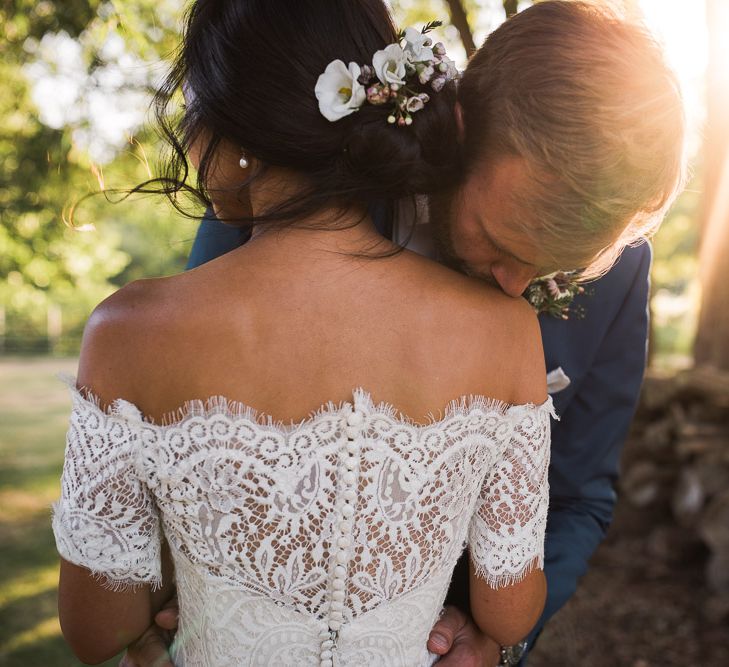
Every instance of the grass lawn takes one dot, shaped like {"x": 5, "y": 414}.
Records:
{"x": 34, "y": 409}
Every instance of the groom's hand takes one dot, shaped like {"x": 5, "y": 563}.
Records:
{"x": 456, "y": 638}
{"x": 151, "y": 649}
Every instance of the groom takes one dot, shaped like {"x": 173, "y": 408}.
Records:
{"x": 572, "y": 131}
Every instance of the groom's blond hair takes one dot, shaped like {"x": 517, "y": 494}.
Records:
{"x": 585, "y": 96}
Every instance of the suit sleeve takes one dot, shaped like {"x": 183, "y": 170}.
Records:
{"x": 588, "y": 439}
{"x": 215, "y": 238}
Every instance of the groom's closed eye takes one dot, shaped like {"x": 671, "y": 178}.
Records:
{"x": 500, "y": 249}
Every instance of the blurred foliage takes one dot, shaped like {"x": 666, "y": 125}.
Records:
{"x": 675, "y": 261}
{"x": 45, "y": 262}
{"x": 675, "y": 288}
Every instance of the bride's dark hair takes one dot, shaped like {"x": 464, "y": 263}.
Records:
{"x": 249, "y": 68}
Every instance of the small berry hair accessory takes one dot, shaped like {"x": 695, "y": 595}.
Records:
{"x": 343, "y": 89}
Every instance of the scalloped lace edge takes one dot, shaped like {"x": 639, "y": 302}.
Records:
{"x": 220, "y": 405}
{"x": 502, "y": 580}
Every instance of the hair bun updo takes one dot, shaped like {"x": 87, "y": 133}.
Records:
{"x": 389, "y": 162}
{"x": 252, "y": 67}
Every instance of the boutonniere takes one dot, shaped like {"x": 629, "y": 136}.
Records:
{"x": 553, "y": 294}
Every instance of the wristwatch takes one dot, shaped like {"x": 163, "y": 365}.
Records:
{"x": 512, "y": 655}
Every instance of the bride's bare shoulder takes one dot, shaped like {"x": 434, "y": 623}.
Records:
{"x": 493, "y": 340}
{"x": 470, "y": 297}
{"x": 139, "y": 303}
{"x": 147, "y": 304}
{"x": 132, "y": 329}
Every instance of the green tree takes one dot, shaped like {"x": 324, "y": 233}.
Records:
{"x": 45, "y": 264}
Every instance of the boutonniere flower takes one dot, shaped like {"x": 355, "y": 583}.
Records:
{"x": 339, "y": 91}
{"x": 553, "y": 294}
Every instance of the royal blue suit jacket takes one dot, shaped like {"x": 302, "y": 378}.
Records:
{"x": 604, "y": 355}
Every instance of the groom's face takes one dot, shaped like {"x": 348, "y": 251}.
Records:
{"x": 477, "y": 231}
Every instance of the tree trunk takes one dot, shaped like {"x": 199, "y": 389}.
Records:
{"x": 712, "y": 340}
{"x": 459, "y": 18}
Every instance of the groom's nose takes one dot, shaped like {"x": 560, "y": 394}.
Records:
{"x": 513, "y": 278}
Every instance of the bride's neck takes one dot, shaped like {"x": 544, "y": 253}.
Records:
{"x": 326, "y": 233}
{"x": 332, "y": 229}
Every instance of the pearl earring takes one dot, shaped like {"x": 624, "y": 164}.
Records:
{"x": 243, "y": 162}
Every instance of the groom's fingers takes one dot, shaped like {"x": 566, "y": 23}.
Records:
{"x": 167, "y": 616}
{"x": 150, "y": 650}
{"x": 471, "y": 651}
{"x": 462, "y": 656}
{"x": 444, "y": 632}
{"x": 456, "y": 638}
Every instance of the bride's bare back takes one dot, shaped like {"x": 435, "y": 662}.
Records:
{"x": 293, "y": 320}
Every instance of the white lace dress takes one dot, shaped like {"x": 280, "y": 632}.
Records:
{"x": 328, "y": 542}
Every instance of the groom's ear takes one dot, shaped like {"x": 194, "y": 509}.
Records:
{"x": 458, "y": 110}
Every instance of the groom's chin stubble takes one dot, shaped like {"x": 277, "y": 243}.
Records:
{"x": 440, "y": 217}
{"x": 441, "y": 224}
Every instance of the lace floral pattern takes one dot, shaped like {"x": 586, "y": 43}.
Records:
{"x": 511, "y": 516}
{"x": 107, "y": 519}
{"x": 331, "y": 541}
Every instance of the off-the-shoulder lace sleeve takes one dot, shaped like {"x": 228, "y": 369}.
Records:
{"x": 506, "y": 534}
{"x": 106, "y": 519}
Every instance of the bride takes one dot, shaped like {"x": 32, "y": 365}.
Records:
{"x": 304, "y": 434}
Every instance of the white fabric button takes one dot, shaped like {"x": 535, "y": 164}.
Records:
{"x": 355, "y": 418}
{"x": 335, "y": 615}
{"x": 326, "y": 654}
{"x": 352, "y": 432}
{"x": 338, "y": 585}
{"x": 349, "y": 478}
{"x": 343, "y": 542}
{"x": 345, "y": 526}
{"x": 337, "y": 606}
{"x": 338, "y": 596}
{"x": 340, "y": 572}
{"x": 326, "y": 663}
{"x": 350, "y": 494}
{"x": 327, "y": 644}
{"x": 341, "y": 557}
{"x": 347, "y": 510}
{"x": 350, "y": 463}
{"x": 334, "y": 624}
{"x": 352, "y": 447}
